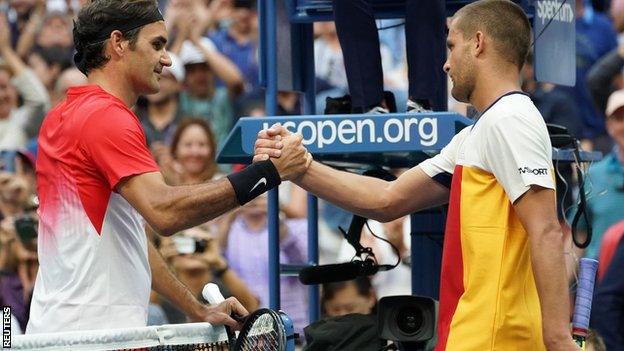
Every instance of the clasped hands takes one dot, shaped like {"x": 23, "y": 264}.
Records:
{"x": 284, "y": 149}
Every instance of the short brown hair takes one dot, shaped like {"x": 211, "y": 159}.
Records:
{"x": 504, "y": 21}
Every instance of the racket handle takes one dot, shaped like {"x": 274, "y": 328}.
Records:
{"x": 212, "y": 294}
{"x": 584, "y": 296}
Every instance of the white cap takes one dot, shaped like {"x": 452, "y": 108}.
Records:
{"x": 190, "y": 54}
{"x": 176, "y": 68}
{"x": 616, "y": 100}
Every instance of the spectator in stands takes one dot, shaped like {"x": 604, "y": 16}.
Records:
{"x": 349, "y": 321}
{"x": 160, "y": 113}
{"x": 609, "y": 244}
{"x": 196, "y": 258}
{"x": 425, "y": 32}
{"x": 239, "y": 41}
{"x": 47, "y": 31}
{"x": 202, "y": 98}
{"x": 608, "y": 306}
{"x": 353, "y": 296}
{"x": 18, "y": 123}
{"x": 69, "y": 78}
{"x": 18, "y": 13}
{"x": 605, "y": 179}
{"x": 192, "y": 156}
{"x": 247, "y": 249}
{"x": 605, "y": 77}
{"x": 595, "y": 37}
{"x": 18, "y": 235}
{"x": 24, "y": 39}
{"x": 48, "y": 63}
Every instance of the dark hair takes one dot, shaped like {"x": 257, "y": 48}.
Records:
{"x": 504, "y": 21}
{"x": 211, "y": 168}
{"x": 54, "y": 55}
{"x": 362, "y": 285}
{"x": 101, "y": 14}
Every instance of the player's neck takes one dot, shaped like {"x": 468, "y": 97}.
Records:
{"x": 114, "y": 85}
{"x": 491, "y": 87}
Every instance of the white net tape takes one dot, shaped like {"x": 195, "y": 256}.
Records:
{"x": 203, "y": 334}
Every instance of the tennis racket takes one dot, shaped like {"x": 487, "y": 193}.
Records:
{"x": 584, "y": 295}
{"x": 264, "y": 329}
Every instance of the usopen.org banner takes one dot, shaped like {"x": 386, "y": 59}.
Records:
{"x": 361, "y": 133}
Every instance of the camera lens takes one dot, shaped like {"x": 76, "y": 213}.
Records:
{"x": 410, "y": 320}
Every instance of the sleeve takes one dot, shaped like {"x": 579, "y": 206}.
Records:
{"x": 519, "y": 154}
{"x": 114, "y": 142}
{"x": 440, "y": 167}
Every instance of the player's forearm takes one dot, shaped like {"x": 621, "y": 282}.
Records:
{"x": 188, "y": 206}
{"x": 550, "y": 277}
{"x": 365, "y": 196}
{"x": 167, "y": 285}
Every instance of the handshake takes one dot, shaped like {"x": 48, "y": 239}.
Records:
{"x": 284, "y": 149}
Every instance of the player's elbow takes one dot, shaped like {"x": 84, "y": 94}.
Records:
{"x": 385, "y": 211}
{"x": 163, "y": 226}
{"x": 163, "y": 220}
{"x": 547, "y": 233}
{"x": 383, "y": 217}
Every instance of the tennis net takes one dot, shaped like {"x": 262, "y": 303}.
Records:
{"x": 171, "y": 337}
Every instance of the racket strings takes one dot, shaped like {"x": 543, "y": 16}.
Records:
{"x": 263, "y": 335}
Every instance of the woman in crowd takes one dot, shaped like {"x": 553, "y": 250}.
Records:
{"x": 192, "y": 157}
{"x": 352, "y": 296}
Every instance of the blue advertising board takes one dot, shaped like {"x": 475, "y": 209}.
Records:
{"x": 554, "y": 37}
{"x": 343, "y": 134}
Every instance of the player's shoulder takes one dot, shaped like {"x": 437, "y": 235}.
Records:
{"x": 103, "y": 110}
{"x": 514, "y": 110}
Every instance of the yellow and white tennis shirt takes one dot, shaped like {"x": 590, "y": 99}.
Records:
{"x": 488, "y": 296}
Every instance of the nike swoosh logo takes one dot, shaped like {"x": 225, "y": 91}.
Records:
{"x": 261, "y": 181}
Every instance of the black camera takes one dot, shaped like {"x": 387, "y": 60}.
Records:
{"x": 189, "y": 245}
{"x": 26, "y": 229}
{"x": 409, "y": 320}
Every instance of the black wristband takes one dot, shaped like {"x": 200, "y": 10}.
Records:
{"x": 254, "y": 180}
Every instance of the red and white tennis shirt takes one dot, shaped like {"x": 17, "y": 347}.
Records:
{"x": 94, "y": 270}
